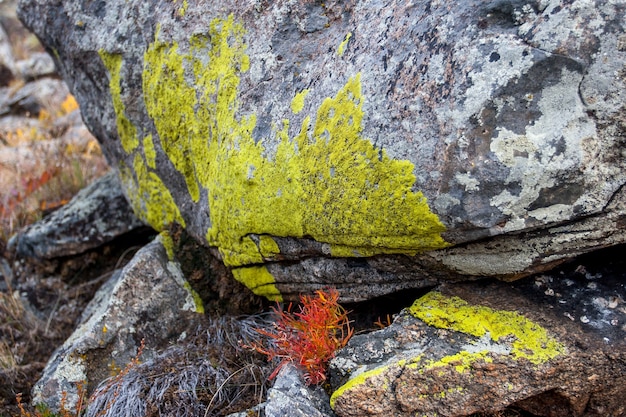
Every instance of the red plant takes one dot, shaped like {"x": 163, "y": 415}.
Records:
{"x": 310, "y": 337}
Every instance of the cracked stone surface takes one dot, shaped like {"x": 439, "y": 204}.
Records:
{"x": 509, "y": 116}
{"x": 423, "y": 366}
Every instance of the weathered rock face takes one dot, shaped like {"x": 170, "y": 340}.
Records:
{"x": 321, "y": 143}
{"x": 149, "y": 298}
{"x": 466, "y": 348}
{"x": 97, "y": 215}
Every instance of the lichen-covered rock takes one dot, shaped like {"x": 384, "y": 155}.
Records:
{"x": 148, "y": 299}
{"x": 372, "y": 146}
{"x": 465, "y": 349}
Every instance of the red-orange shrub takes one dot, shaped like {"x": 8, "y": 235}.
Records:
{"x": 310, "y": 337}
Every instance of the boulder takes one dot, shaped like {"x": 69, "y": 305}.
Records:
{"x": 368, "y": 145}
{"x": 147, "y": 299}
{"x": 98, "y": 214}
{"x": 551, "y": 347}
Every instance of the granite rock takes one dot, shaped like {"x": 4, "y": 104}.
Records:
{"x": 367, "y": 145}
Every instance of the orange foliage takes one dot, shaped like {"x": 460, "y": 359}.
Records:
{"x": 310, "y": 337}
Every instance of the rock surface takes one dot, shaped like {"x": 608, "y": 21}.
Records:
{"x": 289, "y": 396}
{"x": 465, "y": 348}
{"x": 371, "y": 146}
{"x": 96, "y": 215}
{"x": 148, "y": 298}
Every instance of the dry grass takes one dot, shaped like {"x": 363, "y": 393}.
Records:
{"x": 43, "y": 163}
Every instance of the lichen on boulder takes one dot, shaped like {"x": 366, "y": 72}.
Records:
{"x": 364, "y": 147}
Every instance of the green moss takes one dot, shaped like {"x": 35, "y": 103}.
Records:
{"x": 342, "y": 46}
{"x": 531, "y": 340}
{"x": 126, "y": 130}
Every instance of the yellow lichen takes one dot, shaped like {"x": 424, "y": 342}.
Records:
{"x": 527, "y": 339}
{"x": 197, "y": 301}
{"x": 297, "y": 104}
{"x": 362, "y": 378}
{"x": 149, "y": 197}
{"x": 326, "y": 182}
{"x": 259, "y": 280}
{"x": 168, "y": 244}
{"x": 148, "y": 149}
{"x": 125, "y": 128}
{"x": 531, "y": 341}
{"x": 342, "y": 46}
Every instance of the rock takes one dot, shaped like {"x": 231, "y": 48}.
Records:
{"x": 38, "y": 65}
{"x": 369, "y": 146}
{"x": 96, "y": 215}
{"x": 291, "y": 397}
{"x": 463, "y": 349}
{"x": 6, "y": 59}
{"x": 148, "y": 299}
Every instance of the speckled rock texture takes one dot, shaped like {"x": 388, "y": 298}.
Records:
{"x": 371, "y": 146}
{"x": 147, "y": 299}
{"x": 290, "y": 396}
{"x": 464, "y": 349}
{"x": 96, "y": 215}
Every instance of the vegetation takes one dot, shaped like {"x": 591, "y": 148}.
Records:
{"x": 310, "y": 337}
{"x": 42, "y": 171}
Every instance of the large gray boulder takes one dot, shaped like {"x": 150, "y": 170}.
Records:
{"x": 371, "y": 146}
